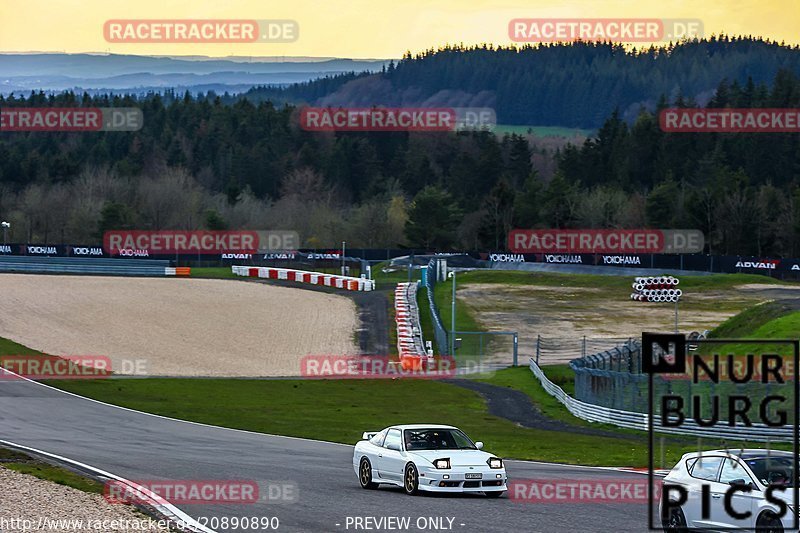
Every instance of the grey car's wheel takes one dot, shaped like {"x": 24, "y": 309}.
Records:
{"x": 365, "y": 474}
{"x": 676, "y": 521}
{"x": 493, "y": 493}
{"x": 411, "y": 479}
{"x": 769, "y": 523}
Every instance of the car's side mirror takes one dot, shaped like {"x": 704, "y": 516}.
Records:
{"x": 395, "y": 447}
{"x": 739, "y": 483}
{"x": 479, "y": 445}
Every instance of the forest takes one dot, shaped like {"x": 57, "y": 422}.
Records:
{"x": 216, "y": 162}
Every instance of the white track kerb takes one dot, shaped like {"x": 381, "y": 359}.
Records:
{"x": 304, "y": 276}
{"x": 186, "y": 522}
{"x": 182, "y": 520}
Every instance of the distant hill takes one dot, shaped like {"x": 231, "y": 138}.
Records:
{"x": 571, "y": 85}
{"x": 97, "y": 73}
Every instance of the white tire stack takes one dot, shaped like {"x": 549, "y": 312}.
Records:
{"x": 658, "y": 289}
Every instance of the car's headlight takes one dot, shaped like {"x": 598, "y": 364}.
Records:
{"x": 494, "y": 462}
{"x": 442, "y": 463}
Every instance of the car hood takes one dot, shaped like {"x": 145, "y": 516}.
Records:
{"x": 457, "y": 457}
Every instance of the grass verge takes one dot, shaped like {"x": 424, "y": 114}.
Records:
{"x": 693, "y": 283}
{"x": 339, "y": 411}
{"x": 25, "y": 464}
{"x": 214, "y": 273}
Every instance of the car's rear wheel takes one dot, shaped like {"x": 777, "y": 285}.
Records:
{"x": 769, "y": 523}
{"x": 365, "y": 474}
{"x": 676, "y": 521}
{"x": 493, "y": 493}
{"x": 411, "y": 479}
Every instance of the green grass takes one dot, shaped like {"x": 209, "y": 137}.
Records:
{"x": 773, "y": 319}
{"x": 8, "y": 347}
{"x": 339, "y": 411}
{"x": 27, "y": 465}
{"x": 388, "y": 280}
{"x": 214, "y": 272}
{"x": 521, "y": 378}
{"x": 465, "y": 320}
{"x": 426, "y": 318}
{"x": 548, "y": 279}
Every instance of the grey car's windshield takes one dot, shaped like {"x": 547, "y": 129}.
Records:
{"x": 437, "y": 439}
{"x": 773, "y": 470}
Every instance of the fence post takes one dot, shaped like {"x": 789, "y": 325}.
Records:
{"x": 538, "y": 348}
{"x": 516, "y": 344}
{"x": 583, "y": 347}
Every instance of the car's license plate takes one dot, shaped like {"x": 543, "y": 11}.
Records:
{"x": 472, "y": 476}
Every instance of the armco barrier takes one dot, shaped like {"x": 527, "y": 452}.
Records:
{"x": 439, "y": 333}
{"x": 410, "y": 344}
{"x": 83, "y": 265}
{"x": 631, "y": 420}
{"x": 302, "y": 276}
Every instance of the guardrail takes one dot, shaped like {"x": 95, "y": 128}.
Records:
{"x": 82, "y": 265}
{"x": 632, "y": 420}
{"x": 303, "y": 276}
{"x": 439, "y": 333}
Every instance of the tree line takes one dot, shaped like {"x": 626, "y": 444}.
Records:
{"x": 561, "y": 84}
{"x": 201, "y": 163}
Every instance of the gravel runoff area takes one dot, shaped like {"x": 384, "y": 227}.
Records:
{"x": 177, "y": 327}
{"x": 30, "y": 504}
{"x": 562, "y": 315}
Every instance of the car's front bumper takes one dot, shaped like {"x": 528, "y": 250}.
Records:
{"x": 455, "y": 480}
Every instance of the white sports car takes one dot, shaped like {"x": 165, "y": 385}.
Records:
{"x": 752, "y": 472}
{"x": 427, "y": 457}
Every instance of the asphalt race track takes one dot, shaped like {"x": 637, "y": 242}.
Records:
{"x": 137, "y": 446}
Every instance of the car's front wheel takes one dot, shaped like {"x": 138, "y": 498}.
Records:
{"x": 411, "y": 479}
{"x": 769, "y": 523}
{"x": 365, "y": 474}
{"x": 676, "y": 521}
{"x": 493, "y": 493}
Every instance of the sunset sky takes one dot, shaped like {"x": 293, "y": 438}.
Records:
{"x": 361, "y": 28}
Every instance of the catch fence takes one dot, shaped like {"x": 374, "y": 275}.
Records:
{"x": 639, "y": 420}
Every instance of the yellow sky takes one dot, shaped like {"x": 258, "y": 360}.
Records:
{"x": 362, "y": 28}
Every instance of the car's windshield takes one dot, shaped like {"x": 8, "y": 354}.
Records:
{"x": 437, "y": 439}
{"x": 772, "y": 470}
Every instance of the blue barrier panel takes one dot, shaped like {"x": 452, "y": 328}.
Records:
{"x": 82, "y": 265}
